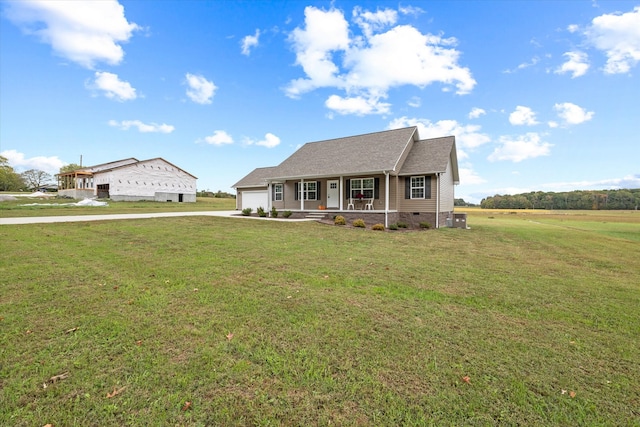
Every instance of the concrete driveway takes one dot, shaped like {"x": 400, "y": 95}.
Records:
{"x": 79, "y": 218}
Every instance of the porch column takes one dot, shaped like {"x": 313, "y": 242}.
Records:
{"x": 341, "y": 191}
{"x": 386, "y": 199}
{"x": 269, "y": 193}
{"x": 301, "y": 194}
{"x": 437, "y": 200}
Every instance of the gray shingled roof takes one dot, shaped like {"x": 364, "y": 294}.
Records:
{"x": 256, "y": 178}
{"x": 431, "y": 156}
{"x": 352, "y": 155}
{"x": 362, "y": 154}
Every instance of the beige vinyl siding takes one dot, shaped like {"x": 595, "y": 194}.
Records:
{"x": 289, "y": 195}
{"x": 290, "y": 201}
{"x": 417, "y": 205}
{"x": 378, "y": 204}
{"x": 446, "y": 190}
{"x": 278, "y": 204}
{"x": 393, "y": 192}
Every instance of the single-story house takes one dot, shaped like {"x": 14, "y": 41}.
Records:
{"x": 383, "y": 177}
{"x": 130, "y": 180}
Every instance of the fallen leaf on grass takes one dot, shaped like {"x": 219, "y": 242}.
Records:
{"x": 68, "y": 331}
{"x": 139, "y": 342}
{"x": 572, "y": 394}
{"x": 115, "y": 392}
{"x": 54, "y": 379}
{"x": 466, "y": 379}
{"x": 29, "y": 331}
{"x": 229, "y": 336}
{"x": 187, "y": 405}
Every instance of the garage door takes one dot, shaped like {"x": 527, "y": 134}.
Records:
{"x": 254, "y": 199}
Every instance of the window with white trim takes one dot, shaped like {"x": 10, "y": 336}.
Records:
{"x": 417, "y": 187}
{"x": 309, "y": 190}
{"x": 278, "y": 191}
{"x": 364, "y": 186}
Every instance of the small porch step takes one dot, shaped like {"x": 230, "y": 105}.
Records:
{"x": 316, "y": 215}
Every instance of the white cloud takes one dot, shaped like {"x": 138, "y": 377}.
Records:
{"x": 404, "y": 56}
{"x": 113, "y": 87}
{"x": 577, "y": 64}
{"x": 524, "y": 65}
{"x": 372, "y": 63}
{"x": 324, "y": 33}
{"x": 200, "y": 90}
{"x": 371, "y": 22}
{"x": 572, "y": 28}
{"x": 356, "y": 105}
{"x": 17, "y": 160}
{"x": 628, "y": 181}
{"x": 469, "y": 177}
{"x": 81, "y": 31}
{"x": 414, "y": 102}
{"x": 142, "y": 127}
{"x": 618, "y": 36}
{"x": 523, "y": 116}
{"x": 476, "y": 113}
{"x": 249, "y": 42}
{"x": 269, "y": 141}
{"x": 519, "y": 148}
{"x": 218, "y": 138}
{"x": 467, "y": 136}
{"x": 572, "y": 114}
{"x": 410, "y": 10}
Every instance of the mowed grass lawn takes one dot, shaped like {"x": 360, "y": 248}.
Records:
{"x": 524, "y": 319}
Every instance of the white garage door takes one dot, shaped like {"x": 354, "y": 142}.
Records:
{"x": 254, "y": 199}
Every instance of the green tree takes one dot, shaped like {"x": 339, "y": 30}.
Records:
{"x": 70, "y": 167}
{"x": 9, "y": 179}
{"x": 35, "y": 179}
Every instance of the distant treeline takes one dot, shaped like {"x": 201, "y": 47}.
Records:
{"x": 583, "y": 200}
{"x": 219, "y": 194}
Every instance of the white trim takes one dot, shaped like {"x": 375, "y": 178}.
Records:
{"x": 424, "y": 187}
{"x": 332, "y": 192}
{"x": 437, "y": 200}
{"x": 301, "y": 193}
{"x": 386, "y": 199}
{"x": 341, "y": 204}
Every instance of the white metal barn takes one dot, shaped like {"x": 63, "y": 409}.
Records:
{"x": 130, "y": 180}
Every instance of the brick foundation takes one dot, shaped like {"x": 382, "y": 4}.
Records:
{"x": 371, "y": 218}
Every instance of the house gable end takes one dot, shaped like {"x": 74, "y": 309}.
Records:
{"x": 429, "y": 156}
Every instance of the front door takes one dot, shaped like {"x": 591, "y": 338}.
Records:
{"x": 333, "y": 194}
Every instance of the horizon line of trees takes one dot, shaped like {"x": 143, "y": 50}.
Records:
{"x": 623, "y": 199}
{"x": 32, "y": 179}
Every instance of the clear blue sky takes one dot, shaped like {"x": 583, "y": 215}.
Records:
{"x": 541, "y": 95}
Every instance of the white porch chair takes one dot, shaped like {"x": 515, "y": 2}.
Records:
{"x": 351, "y": 205}
{"x": 369, "y": 205}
